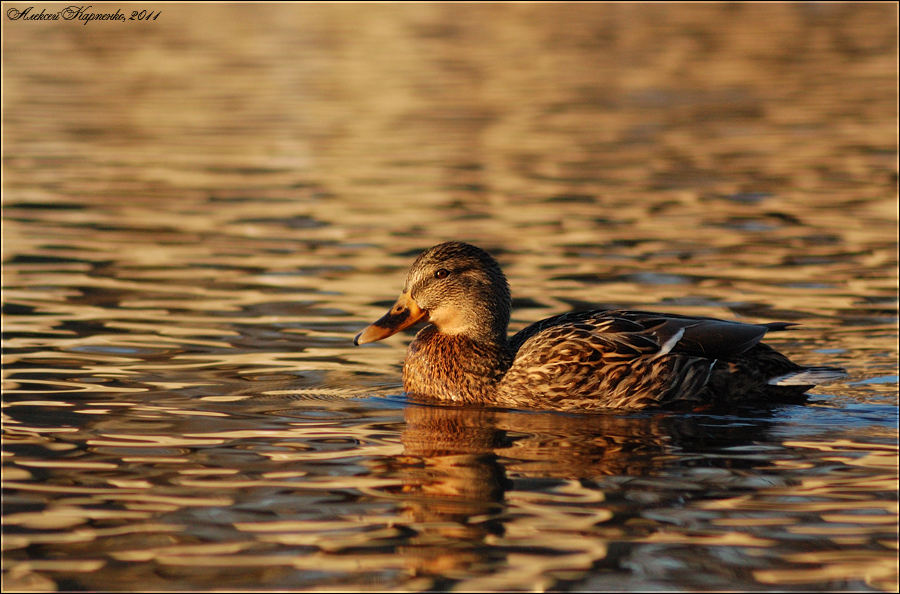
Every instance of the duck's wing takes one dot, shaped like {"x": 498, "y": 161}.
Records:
{"x": 699, "y": 336}
{"x": 638, "y": 333}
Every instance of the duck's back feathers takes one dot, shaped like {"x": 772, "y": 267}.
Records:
{"x": 650, "y": 359}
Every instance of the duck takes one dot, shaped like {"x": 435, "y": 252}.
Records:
{"x": 579, "y": 360}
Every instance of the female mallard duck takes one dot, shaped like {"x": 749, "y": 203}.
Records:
{"x": 575, "y": 361}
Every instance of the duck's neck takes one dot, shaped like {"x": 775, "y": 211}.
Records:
{"x": 457, "y": 368}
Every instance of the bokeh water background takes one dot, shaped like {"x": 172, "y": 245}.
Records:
{"x": 201, "y": 210}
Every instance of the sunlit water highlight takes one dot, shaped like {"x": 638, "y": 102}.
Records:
{"x": 199, "y": 213}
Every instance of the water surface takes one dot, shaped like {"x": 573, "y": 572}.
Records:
{"x": 201, "y": 211}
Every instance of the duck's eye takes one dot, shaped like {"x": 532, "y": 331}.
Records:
{"x": 442, "y": 273}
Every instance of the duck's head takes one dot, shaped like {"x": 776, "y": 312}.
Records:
{"x": 457, "y": 287}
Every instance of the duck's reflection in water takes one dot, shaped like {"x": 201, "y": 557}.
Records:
{"x": 478, "y": 483}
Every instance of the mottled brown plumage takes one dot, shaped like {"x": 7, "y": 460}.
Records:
{"x": 590, "y": 360}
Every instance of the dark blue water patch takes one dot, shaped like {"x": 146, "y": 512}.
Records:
{"x": 393, "y": 401}
{"x": 295, "y": 222}
{"x": 822, "y": 419}
{"x": 39, "y": 259}
{"x": 643, "y": 278}
{"x": 173, "y": 232}
{"x": 658, "y": 278}
{"x": 884, "y": 379}
{"x": 821, "y": 239}
{"x": 204, "y": 266}
{"x": 118, "y": 350}
{"x": 746, "y": 224}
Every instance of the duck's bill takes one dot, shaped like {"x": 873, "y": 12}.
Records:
{"x": 402, "y": 315}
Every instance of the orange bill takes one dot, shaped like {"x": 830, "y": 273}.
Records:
{"x": 402, "y": 315}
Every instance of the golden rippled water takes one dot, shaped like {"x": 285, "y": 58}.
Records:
{"x": 200, "y": 212}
